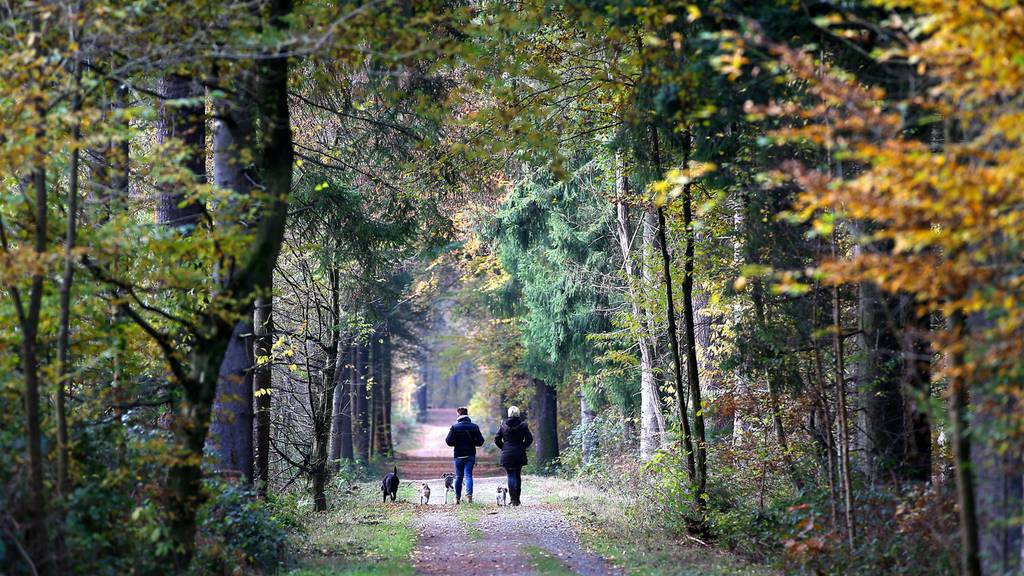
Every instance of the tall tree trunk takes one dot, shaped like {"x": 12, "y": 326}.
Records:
{"x": 546, "y": 437}
{"x": 387, "y": 371}
{"x": 231, "y": 432}
{"x": 999, "y": 494}
{"x": 917, "y": 348}
{"x": 970, "y": 558}
{"x": 64, "y": 336}
{"x": 843, "y": 416}
{"x": 341, "y": 415}
{"x": 692, "y": 368}
{"x": 263, "y": 321}
{"x": 186, "y": 123}
{"x": 652, "y": 421}
{"x": 422, "y": 397}
{"x": 319, "y": 465}
{"x": 881, "y": 376}
{"x": 677, "y": 365}
{"x": 323, "y": 416}
{"x": 360, "y": 416}
{"x": 28, "y": 320}
{"x": 377, "y": 394}
{"x": 184, "y": 481}
{"x": 741, "y": 392}
{"x": 232, "y": 427}
{"x": 819, "y": 379}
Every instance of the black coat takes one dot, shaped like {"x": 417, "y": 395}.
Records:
{"x": 464, "y": 436}
{"x": 513, "y": 438}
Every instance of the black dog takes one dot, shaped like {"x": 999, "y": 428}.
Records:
{"x": 389, "y": 486}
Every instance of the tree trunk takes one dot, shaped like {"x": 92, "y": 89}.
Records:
{"x": 28, "y": 320}
{"x": 232, "y": 429}
{"x": 231, "y": 432}
{"x": 546, "y": 411}
{"x": 360, "y": 416}
{"x": 843, "y": 417}
{"x": 741, "y": 392}
{"x": 377, "y": 394}
{"x": 652, "y": 422}
{"x": 387, "y": 442}
{"x": 684, "y": 417}
{"x": 917, "y": 347}
{"x": 881, "y": 375}
{"x": 422, "y": 397}
{"x": 341, "y": 416}
{"x": 184, "y": 480}
{"x": 970, "y": 559}
{"x": 821, "y": 393}
{"x": 64, "y": 336}
{"x": 186, "y": 123}
{"x": 322, "y": 417}
{"x": 999, "y": 494}
{"x": 692, "y": 368}
{"x": 263, "y": 321}
{"x": 587, "y": 416}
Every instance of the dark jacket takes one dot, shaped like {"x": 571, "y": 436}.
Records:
{"x": 464, "y": 436}
{"x": 513, "y": 438}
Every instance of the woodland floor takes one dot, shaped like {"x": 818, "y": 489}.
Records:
{"x": 562, "y": 528}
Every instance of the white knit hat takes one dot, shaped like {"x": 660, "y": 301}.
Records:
{"x": 513, "y": 411}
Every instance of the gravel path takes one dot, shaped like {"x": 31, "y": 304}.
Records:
{"x": 496, "y": 539}
{"x": 484, "y": 538}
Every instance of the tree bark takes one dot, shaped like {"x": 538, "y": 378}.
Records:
{"x": 64, "y": 335}
{"x": 341, "y": 415}
{"x": 323, "y": 413}
{"x": 186, "y": 123}
{"x": 677, "y": 366}
{"x": 263, "y": 321}
{"x": 692, "y": 368}
{"x": 587, "y": 416}
{"x": 819, "y": 379}
{"x": 387, "y": 442}
{"x": 232, "y": 427}
{"x": 377, "y": 394}
{"x": 546, "y": 410}
{"x": 881, "y": 374}
{"x": 843, "y": 417}
{"x": 184, "y": 481}
{"x": 231, "y": 432}
{"x": 652, "y": 421}
{"x": 37, "y": 533}
{"x": 360, "y": 416}
{"x": 970, "y": 558}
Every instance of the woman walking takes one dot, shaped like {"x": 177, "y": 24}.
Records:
{"x": 513, "y": 438}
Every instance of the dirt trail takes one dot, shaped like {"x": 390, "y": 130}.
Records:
{"x": 483, "y": 538}
{"x": 430, "y": 457}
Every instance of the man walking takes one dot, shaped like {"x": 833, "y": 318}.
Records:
{"x": 464, "y": 436}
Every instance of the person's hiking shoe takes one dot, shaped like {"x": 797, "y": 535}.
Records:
{"x": 458, "y": 501}
{"x": 469, "y": 498}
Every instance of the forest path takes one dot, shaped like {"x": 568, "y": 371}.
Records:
{"x": 484, "y": 538}
{"x": 428, "y": 456}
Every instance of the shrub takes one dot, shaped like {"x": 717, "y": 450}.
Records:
{"x": 239, "y": 533}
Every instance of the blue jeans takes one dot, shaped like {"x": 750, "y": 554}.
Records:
{"x": 464, "y": 468}
{"x": 515, "y": 483}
